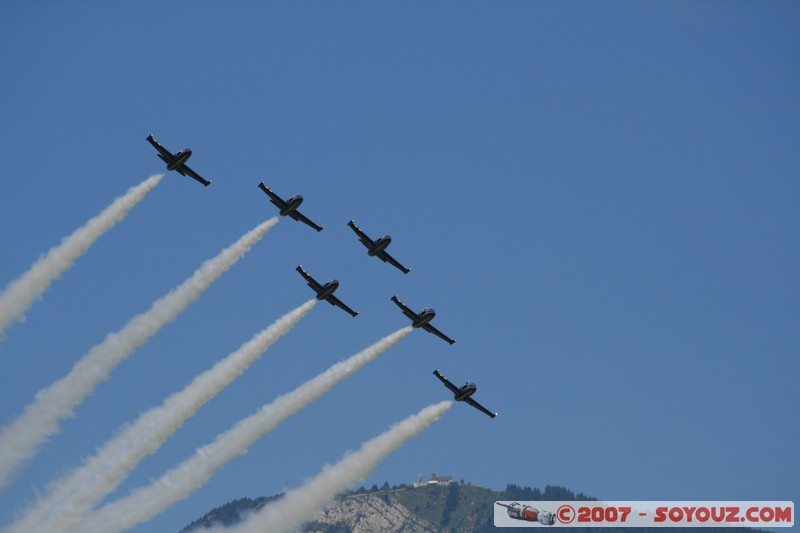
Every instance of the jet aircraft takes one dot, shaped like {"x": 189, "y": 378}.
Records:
{"x": 422, "y": 320}
{"x": 177, "y": 161}
{"x": 325, "y": 292}
{"x": 288, "y": 207}
{"x": 464, "y": 394}
{"x": 378, "y": 247}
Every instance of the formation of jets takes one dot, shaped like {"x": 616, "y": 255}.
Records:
{"x": 375, "y": 248}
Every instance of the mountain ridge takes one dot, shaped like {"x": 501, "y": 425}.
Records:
{"x": 433, "y": 507}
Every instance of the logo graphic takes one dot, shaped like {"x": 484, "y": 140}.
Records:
{"x": 647, "y": 514}
{"x": 518, "y": 511}
{"x": 566, "y": 514}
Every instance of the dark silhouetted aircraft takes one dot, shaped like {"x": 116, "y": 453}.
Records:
{"x": 325, "y": 292}
{"x": 177, "y": 162}
{"x": 288, "y": 207}
{"x": 464, "y": 394}
{"x": 377, "y": 248}
{"x": 422, "y": 320}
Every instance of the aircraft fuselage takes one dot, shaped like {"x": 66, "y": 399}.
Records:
{"x": 327, "y": 289}
{"x": 291, "y": 205}
{"x": 425, "y": 316}
{"x": 380, "y": 245}
{"x": 466, "y": 391}
{"x": 180, "y": 158}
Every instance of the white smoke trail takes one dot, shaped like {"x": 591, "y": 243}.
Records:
{"x": 176, "y": 484}
{"x": 303, "y": 503}
{"x": 72, "y": 498}
{"x": 20, "y": 440}
{"x": 20, "y": 294}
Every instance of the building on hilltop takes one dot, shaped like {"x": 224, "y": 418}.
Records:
{"x": 435, "y": 479}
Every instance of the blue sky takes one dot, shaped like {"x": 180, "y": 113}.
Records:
{"x": 599, "y": 199}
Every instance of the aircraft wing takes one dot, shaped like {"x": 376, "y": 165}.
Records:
{"x": 166, "y": 154}
{"x": 406, "y": 311}
{"x": 446, "y": 382}
{"x": 314, "y": 284}
{"x": 333, "y": 300}
{"x": 481, "y": 408}
{"x": 431, "y": 329}
{"x": 385, "y": 257}
{"x": 300, "y": 217}
{"x": 277, "y": 200}
{"x": 369, "y": 243}
{"x": 186, "y": 171}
